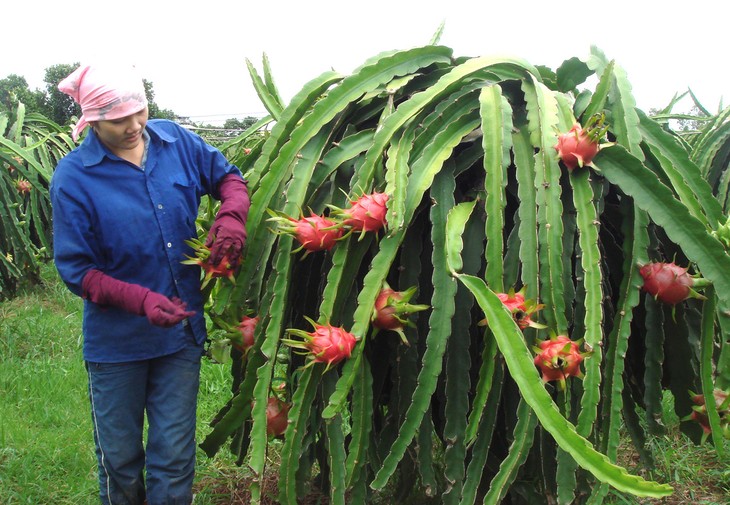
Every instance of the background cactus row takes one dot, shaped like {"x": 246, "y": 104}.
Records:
{"x": 478, "y": 204}
{"x": 30, "y": 147}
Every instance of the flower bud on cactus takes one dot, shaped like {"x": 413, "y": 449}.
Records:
{"x": 669, "y": 283}
{"x": 559, "y": 358}
{"x": 392, "y": 310}
{"x": 314, "y": 233}
{"x": 577, "y": 147}
{"x": 723, "y": 233}
{"x": 326, "y": 344}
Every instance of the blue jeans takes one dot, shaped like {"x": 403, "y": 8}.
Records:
{"x": 166, "y": 388}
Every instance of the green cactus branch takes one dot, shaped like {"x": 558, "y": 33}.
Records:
{"x": 686, "y": 179}
{"x": 522, "y": 440}
{"x": 439, "y": 332}
{"x": 708, "y": 384}
{"x": 628, "y": 173}
{"x": 522, "y": 369}
{"x": 542, "y": 116}
{"x": 478, "y": 203}
{"x": 588, "y": 223}
{"x": 302, "y": 402}
{"x": 496, "y": 125}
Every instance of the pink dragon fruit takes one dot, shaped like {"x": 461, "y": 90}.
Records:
{"x": 365, "y": 214}
{"x": 700, "y": 416}
{"x": 669, "y": 282}
{"x": 559, "y": 358}
{"x": 326, "y": 344}
{"x": 247, "y": 328}
{"x": 520, "y": 308}
{"x": 317, "y": 233}
{"x": 224, "y": 268}
{"x": 277, "y": 413}
{"x": 314, "y": 233}
{"x": 392, "y": 310}
{"x": 23, "y": 186}
{"x": 579, "y": 146}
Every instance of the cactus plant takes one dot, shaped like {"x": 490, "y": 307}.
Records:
{"x": 477, "y": 199}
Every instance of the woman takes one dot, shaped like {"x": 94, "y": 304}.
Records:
{"x": 124, "y": 202}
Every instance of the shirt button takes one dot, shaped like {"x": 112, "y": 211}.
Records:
{"x": 159, "y": 205}
{"x": 169, "y": 244}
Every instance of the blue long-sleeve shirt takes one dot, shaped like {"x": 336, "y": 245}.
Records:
{"x": 131, "y": 223}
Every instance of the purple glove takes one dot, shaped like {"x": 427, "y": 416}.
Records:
{"x": 227, "y": 236}
{"x": 159, "y": 309}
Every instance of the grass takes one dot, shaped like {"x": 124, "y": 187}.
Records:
{"x": 697, "y": 474}
{"x": 46, "y": 447}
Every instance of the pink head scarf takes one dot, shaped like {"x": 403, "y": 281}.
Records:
{"x": 104, "y": 93}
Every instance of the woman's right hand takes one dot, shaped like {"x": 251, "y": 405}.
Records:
{"x": 163, "y": 311}
{"x": 159, "y": 309}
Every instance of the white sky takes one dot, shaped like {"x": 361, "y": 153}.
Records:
{"x": 194, "y": 52}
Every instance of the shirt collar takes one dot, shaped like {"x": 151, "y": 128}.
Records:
{"x": 93, "y": 151}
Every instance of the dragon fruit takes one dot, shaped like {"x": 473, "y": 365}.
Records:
{"x": 19, "y": 160}
{"x": 23, "y": 186}
{"x": 579, "y": 146}
{"x": 224, "y": 268}
{"x": 521, "y": 309}
{"x": 314, "y": 233}
{"x": 277, "y": 413}
{"x": 669, "y": 282}
{"x": 559, "y": 358}
{"x": 700, "y": 416}
{"x": 392, "y": 310}
{"x": 247, "y": 328}
{"x": 317, "y": 233}
{"x": 326, "y": 344}
{"x": 365, "y": 214}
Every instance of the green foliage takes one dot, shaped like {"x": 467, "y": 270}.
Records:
{"x": 233, "y": 132}
{"x": 30, "y": 147}
{"x": 14, "y": 89}
{"x": 240, "y": 124}
{"x": 479, "y": 203}
{"x": 45, "y": 413}
{"x": 58, "y": 106}
{"x": 154, "y": 110}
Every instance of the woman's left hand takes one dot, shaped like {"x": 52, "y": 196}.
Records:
{"x": 227, "y": 236}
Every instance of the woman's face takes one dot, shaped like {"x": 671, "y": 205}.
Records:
{"x": 122, "y": 134}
